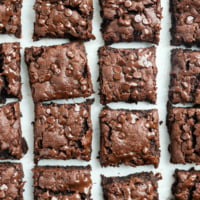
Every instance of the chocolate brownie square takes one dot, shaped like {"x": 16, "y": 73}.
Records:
{"x": 11, "y": 181}
{"x": 58, "y": 72}
{"x": 134, "y": 186}
{"x": 185, "y": 76}
{"x": 10, "y": 17}
{"x": 63, "y": 19}
{"x": 185, "y": 28}
{"x": 183, "y": 127}
{"x": 73, "y": 183}
{"x": 12, "y": 145}
{"x": 63, "y": 131}
{"x": 10, "y": 79}
{"x": 187, "y": 184}
{"x": 131, "y": 20}
{"x": 127, "y": 74}
{"x": 129, "y": 137}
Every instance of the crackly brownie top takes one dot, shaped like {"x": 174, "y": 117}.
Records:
{"x": 58, "y": 72}
{"x": 63, "y": 18}
{"x": 128, "y": 20}
{"x": 10, "y": 17}
{"x": 58, "y": 183}
{"x": 119, "y": 128}
{"x": 185, "y": 22}
{"x": 127, "y": 74}
{"x": 185, "y": 76}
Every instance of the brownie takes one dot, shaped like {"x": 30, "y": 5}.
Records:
{"x": 10, "y": 79}
{"x": 187, "y": 184}
{"x": 63, "y": 19}
{"x": 185, "y": 76}
{"x": 12, "y": 145}
{"x": 135, "y": 186}
{"x": 127, "y": 74}
{"x": 58, "y": 72}
{"x": 10, "y": 17}
{"x": 129, "y": 137}
{"x": 183, "y": 127}
{"x": 63, "y": 131}
{"x": 185, "y": 28}
{"x": 131, "y": 20}
{"x": 11, "y": 181}
{"x": 58, "y": 183}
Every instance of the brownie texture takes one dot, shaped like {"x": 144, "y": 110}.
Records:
{"x": 185, "y": 76}
{"x": 12, "y": 145}
{"x": 187, "y": 185}
{"x": 63, "y": 131}
{"x": 58, "y": 72}
{"x": 58, "y": 183}
{"x": 131, "y": 20}
{"x": 183, "y": 127}
{"x": 185, "y": 28}
{"x": 10, "y": 79}
{"x": 135, "y": 186}
{"x": 10, "y": 17}
{"x": 127, "y": 74}
{"x": 11, "y": 181}
{"x": 63, "y": 19}
{"x": 129, "y": 137}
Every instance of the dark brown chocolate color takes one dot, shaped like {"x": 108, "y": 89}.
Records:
{"x": 185, "y": 76}
{"x": 63, "y": 131}
{"x": 10, "y": 17}
{"x": 185, "y": 22}
{"x": 12, "y": 145}
{"x": 187, "y": 185}
{"x": 11, "y": 183}
{"x": 138, "y": 186}
{"x": 58, "y": 183}
{"x": 63, "y": 19}
{"x": 131, "y": 20}
{"x": 58, "y": 72}
{"x": 183, "y": 127}
{"x": 10, "y": 79}
{"x": 129, "y": 137}
{"x": 127, "y": 74}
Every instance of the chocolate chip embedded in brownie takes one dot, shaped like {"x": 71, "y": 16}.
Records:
{"x": 131, "y": 20}
{"x": 185, "y": 22}
{"x": 185, "y": 76}
{"x": 63, "y": 131}
{"x": 127, "y": 74}
{"x": 58, "y": 72}
{"x": 134, "y": 186}
{"x": 129, "y": 137}
{"x": 63, "y": 19}
{"x": 56, "y": 183}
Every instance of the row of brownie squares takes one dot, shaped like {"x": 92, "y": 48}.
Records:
{"x": 75, "y": 182}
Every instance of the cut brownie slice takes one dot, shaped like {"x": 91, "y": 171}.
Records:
{"x": 10, "y": 79}
{"x": 185, "y": 22}
{"x": 10, "y": 17}
{"x": 185, "y": 76}
{"x": 135, "y": 186}
{"x": 129, "y": 137}
{"x": 11, "y": 181}
{"x": 63, "y": 19}
{"x": 183, "y": 127}
{"x": 131, "y": 20}
{"x": 63, "y": 131}
{"x": 187, "y": 185}
{"x": 12, "y": 145}
{"x": 57, "y": 183}
{"x": 58, "y": 72}
{"x": 127, "y": 74}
